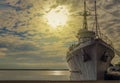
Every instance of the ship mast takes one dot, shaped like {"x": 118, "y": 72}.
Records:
{"x": 85, "y": 14}
{"x": 96, "y": 21}
{"x": 84, "y": 34}
{"x": 85, "y": 25}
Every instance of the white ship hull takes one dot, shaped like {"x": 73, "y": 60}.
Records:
{"x": 90, "y": 60}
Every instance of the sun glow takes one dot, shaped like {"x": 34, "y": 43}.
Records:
{"x": 57, "y": 17}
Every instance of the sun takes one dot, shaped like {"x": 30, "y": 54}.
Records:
{"x": 57, "y": 16}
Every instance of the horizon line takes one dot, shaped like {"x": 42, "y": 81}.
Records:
{"x": 33, "y": 69}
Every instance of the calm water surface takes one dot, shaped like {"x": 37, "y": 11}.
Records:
{"x": 34, "y": 75}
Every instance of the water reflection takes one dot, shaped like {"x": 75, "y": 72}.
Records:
{"x": 59, "y": 73}
{"x": 34, "y": 75}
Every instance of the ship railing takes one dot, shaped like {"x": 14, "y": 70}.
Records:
{"x": 72, "y": 47}
{"x": 102, "y": 36}
{"x": 106, "y": 39}
{"x": 77, "y": 44}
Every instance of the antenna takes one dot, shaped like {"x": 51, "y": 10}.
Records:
{"x": 96, "y": 20}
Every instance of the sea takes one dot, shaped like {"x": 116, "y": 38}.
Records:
{"x": 34, "y": 75}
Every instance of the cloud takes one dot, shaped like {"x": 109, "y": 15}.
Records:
{"x": 29, "y": 40}
{"x": 3, "y": 52}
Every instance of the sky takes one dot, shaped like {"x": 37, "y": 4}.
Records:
{"x": 28, "y": 41}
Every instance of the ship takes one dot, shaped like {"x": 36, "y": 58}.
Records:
{"x": 90, "y": 58}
